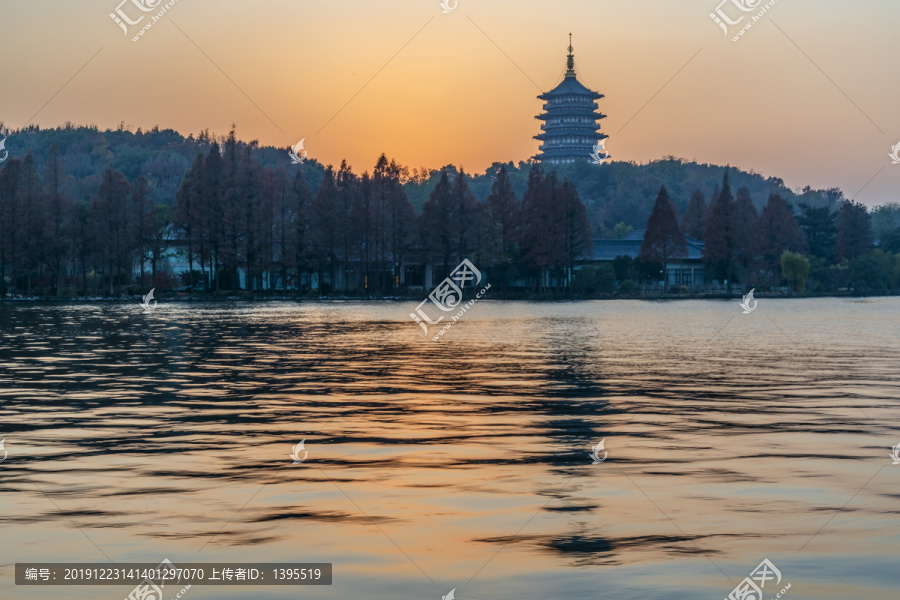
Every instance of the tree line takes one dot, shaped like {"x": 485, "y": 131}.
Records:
{"x": 239, "y": 225}
{"x": 831, "y": 250}
{"x": 237, "y": 216}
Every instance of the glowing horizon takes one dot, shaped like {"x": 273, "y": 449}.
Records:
{"x": 430, "y": 89}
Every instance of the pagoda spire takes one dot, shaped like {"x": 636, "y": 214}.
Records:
{"x": 570, "y": 62}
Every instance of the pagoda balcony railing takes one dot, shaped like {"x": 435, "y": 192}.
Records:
{"x": 588, "y": 126}
{"x": 570, "y": 104}
{"x": 568, "y": 146}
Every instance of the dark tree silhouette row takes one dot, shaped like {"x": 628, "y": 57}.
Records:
{"x": 767, "y": 250}
{"x": 238, "y": 225}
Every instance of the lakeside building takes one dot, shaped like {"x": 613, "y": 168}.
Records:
{"x": 570, "y": 129}
{"x": 686, "y": 271}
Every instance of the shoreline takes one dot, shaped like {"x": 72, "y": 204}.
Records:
{"x": 545, "y": 298}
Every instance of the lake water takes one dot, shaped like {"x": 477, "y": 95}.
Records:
{"x": 460, "y": 463}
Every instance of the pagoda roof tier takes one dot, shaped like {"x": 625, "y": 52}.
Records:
{"x": 570, "y": 85}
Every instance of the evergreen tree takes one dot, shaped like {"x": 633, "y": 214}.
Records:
{"x": 503, "y": 224}
{"x": 536, "y": 231}
{"x": 464, "y": 221}
{"x": 574, "y": 240}
{"x": 188, "y": 204}
{"x": 324, "y": 230}
{"x": 58, "y": 212}
{"x": 694, "y": 220}
{"x": 142, "y": 227}
{"x": 720, "y": 249}
{"x": 31, "y": 219}
{"x": 854, "y": 231}
{"x": 213, "y": 216}
{"x": 745, "y": 217}
{"x": 401, "y": 224}
{"x": 818, "y": 225}
{"x": 301, "y": 202}
{"x": 9, "y": 220}
{"x": 777, "y": 231}
{"x": 108, "y": 212}
{"x": 663, "y": 239}
{"x": 436, "y": 226}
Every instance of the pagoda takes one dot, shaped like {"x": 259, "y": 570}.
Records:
{"x": 570, "y": 131}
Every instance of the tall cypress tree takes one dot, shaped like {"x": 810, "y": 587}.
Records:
{"x": 663, "y": 239}
{"x": 776, "y": 231}
{"x": 720, "y": 246}
{"x": 854, "y": 231}
{"x": 695, "y": 218}
{"x": 504, "y": 220}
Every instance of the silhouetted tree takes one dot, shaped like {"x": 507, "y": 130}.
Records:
{"x": 818, "y": 225}
{"x": 9, "y": 219}
{"x": 694, "y": 221}
{"x": 776, "y": 231}
{"x": 503, "y": 224}
{"x": 663, "y": 239}
{"x": 141, "y": 225}
{"x": 720, "y": 247}
{"x": 745, "y": 217}
{"x": 58, "y": 211}
{"x": 854, "y": 231}
{"x": 108, "y": 212}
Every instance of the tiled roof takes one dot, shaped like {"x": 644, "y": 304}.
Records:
{"x": 630, "y": 245}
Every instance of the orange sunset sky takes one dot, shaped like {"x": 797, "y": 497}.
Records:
{"x": 809, "y": 94}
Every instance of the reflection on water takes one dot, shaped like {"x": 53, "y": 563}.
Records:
{"x": 460, "y": 463}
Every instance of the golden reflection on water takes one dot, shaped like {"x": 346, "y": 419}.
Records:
{"x": 731, "y": 438}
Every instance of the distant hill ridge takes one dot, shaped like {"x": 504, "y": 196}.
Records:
{"x": 616, "y": 192}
